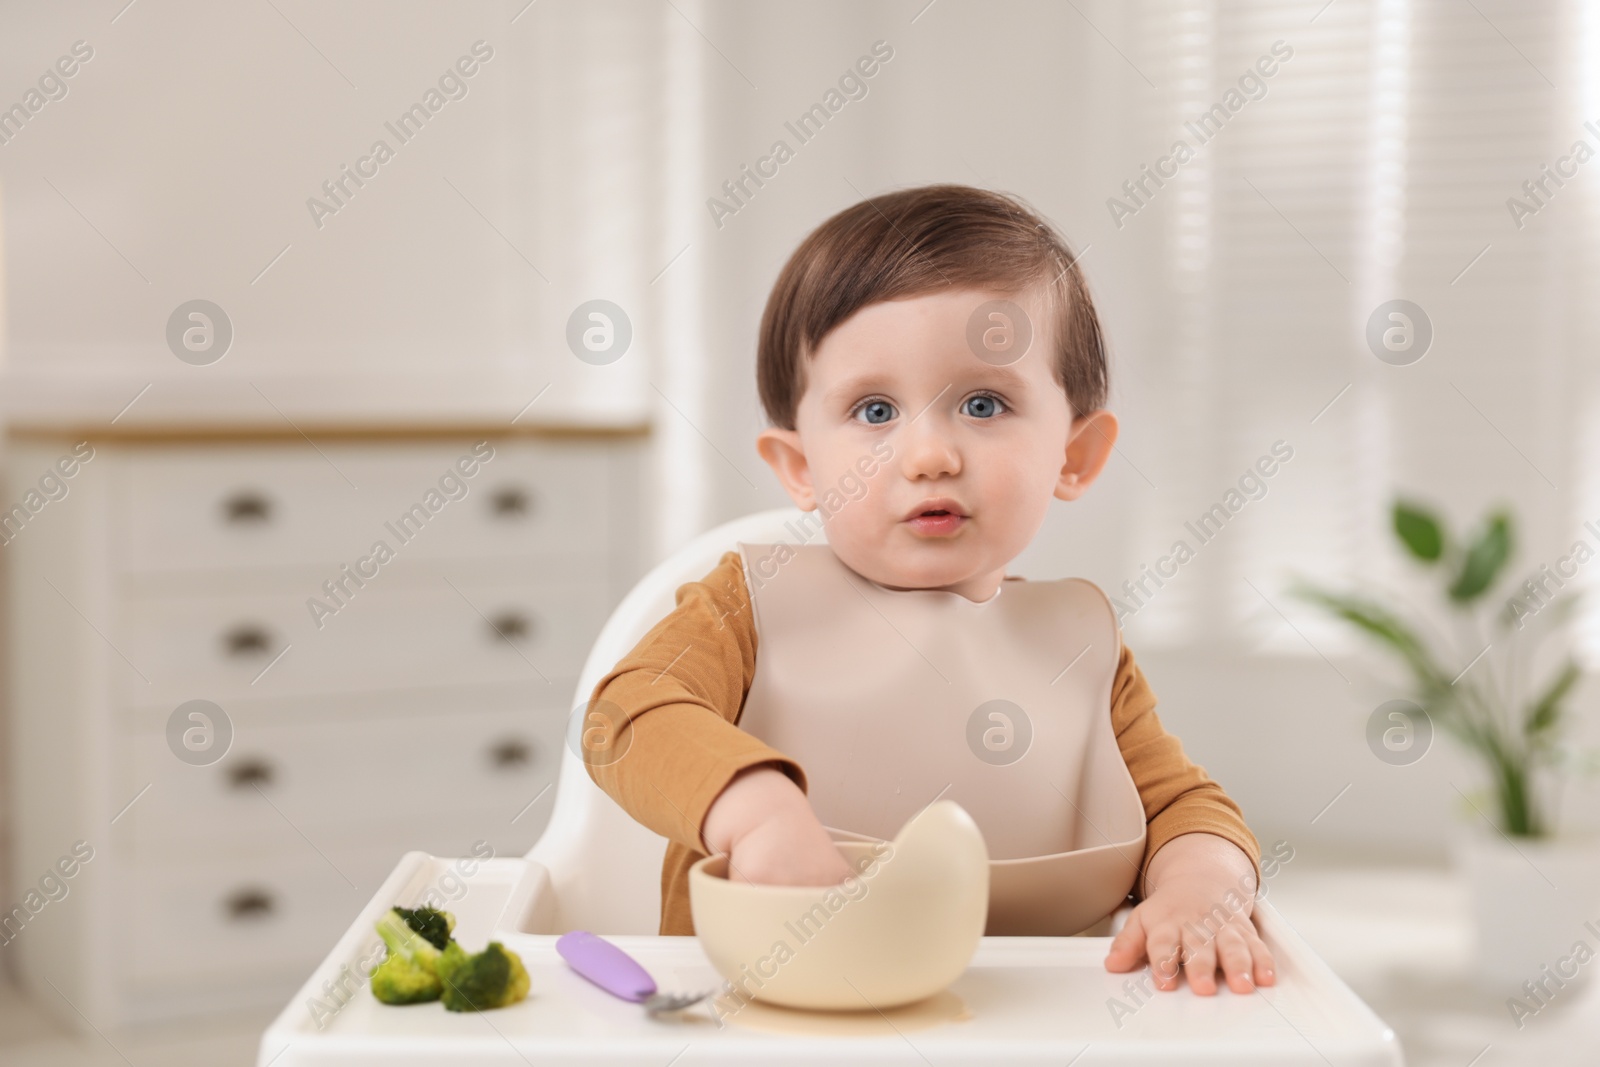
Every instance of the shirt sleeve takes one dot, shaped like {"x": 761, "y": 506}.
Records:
{"x": 660, "y": 731}
{"x": 1178, "y": 796}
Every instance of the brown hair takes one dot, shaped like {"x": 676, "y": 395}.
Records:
{"x": 918, "y": 241}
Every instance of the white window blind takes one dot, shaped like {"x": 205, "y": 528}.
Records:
{"x": 1376, "y": 165}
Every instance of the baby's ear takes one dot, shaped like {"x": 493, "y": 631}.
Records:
{"x": 1088, "y": 448}
{"x": 781, "y": 449}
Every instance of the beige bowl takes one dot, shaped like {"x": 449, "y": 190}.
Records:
{"x": 903, "y": 928}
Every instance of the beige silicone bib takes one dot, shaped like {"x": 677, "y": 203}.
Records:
{"x": 892, "y": 699}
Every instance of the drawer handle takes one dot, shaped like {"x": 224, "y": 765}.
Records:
{"x": 511, "y": 502}
{"x": 510, "y": 753}
{"x": 250, "y": 772}
{"x": 247, "y": 639}
{"x": 243, "y": 905}
{"x": 512, "y": 625}
{"x": 246, "y": 507}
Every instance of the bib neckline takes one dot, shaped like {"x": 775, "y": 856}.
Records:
{"x": 965, "y": 600}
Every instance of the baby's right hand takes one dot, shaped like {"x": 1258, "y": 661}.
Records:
{"x": 772, "y": 837}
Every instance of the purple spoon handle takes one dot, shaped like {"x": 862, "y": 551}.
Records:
{"x": 606, "y": 965}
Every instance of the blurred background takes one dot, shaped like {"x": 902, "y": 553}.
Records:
{"x": 243, "y": 344}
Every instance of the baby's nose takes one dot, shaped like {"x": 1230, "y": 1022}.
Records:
{"x": 927, "y": 451}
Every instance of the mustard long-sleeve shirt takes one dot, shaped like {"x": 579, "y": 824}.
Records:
{"x": 675, "y": 702}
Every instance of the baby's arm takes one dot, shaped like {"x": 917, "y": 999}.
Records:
{"x": 661, "y": 738}
{"x": 1199, "y": 870}
{"x": 766, "y": 825}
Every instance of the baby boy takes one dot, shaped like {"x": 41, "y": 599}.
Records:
{"x": 936, "y": 350}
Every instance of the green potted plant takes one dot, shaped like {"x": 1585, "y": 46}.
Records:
{"x": 1531, "y": 886}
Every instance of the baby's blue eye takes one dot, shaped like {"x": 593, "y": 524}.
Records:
{"x": 982, "y": 406}
{"x": 876, "y": 411}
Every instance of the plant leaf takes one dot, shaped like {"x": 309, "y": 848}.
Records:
{"x": 1419, "y": 531}
{"x": 1383, "y": 624}
{"x": 1546, "y": 711}
{"x": 1484, "y": 559}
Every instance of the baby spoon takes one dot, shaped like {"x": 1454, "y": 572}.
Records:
{"x": 618, "y": 973}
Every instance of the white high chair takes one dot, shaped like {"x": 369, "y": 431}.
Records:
{"x": 1022, "y": 999}
{"x": 605, "y": 868}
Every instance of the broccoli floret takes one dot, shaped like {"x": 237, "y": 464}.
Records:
{"x": 399, "y": 981}
{"x": 434, "y": 925}
{"x": 492, "y": 978}
{"x": 409, "y": 975}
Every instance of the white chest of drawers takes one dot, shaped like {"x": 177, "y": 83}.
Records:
{"x": 422, "y": 706}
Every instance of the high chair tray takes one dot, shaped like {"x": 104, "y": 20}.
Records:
{"x": 1030, "y": 1000}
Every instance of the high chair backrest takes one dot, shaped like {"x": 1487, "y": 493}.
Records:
{"x": 605, "y": 868}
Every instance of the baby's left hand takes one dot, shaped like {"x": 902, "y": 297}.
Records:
{"x": 1197, "y": 916}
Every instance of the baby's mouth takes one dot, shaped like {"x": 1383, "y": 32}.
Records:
{"x": 936, "y": 522}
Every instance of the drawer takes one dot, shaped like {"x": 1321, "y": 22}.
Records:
{"x": 246, "y": 923}
{"x": 401, "y": 781}
{"x": 266, "y": 918}
{"x": 394, "y": 636}
{"x": 251, "y": 921}
{"x": 251, "y": 506}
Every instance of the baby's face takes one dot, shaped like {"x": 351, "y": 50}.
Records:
{"x": 965, "y": 453}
